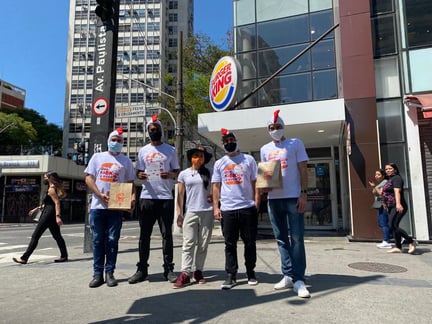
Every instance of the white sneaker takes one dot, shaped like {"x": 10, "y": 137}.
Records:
{"x": 286, "y": 282}
{"x": 301, "y": 290}
{"x": 384, "y": 245}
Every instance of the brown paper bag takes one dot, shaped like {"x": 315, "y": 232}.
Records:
{"x": 269, "y": 174}
{"x": 120, "y": 196}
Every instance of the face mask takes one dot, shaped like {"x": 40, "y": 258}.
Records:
{"x": 197, "y": 161}
{"x": 155, "y": 135}
{"x": 277, "y": 134}
{"x": 230, "y": 147}
{"x": 115, "y": 147}
{"x": 46, "y": 182}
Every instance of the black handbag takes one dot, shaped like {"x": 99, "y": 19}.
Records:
{"x": 37, "y": 214}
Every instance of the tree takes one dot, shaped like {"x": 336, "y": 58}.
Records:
{"x": 32, "y": 135}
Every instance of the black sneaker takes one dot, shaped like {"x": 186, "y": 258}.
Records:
{"x": 97, "y": 281}
{"x": 110, "y": 280}
{"x": 252, "y": 279}
{"x": 230, "y": 282}
{"x": 170, "y": 276}
{"x": 138, "y": 277}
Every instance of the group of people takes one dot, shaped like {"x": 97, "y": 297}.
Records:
{"x": 227, "y": 193}
{"x": 392, "y": 207}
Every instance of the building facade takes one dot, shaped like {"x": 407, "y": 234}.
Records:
{"x": 147, "y": 51}
{"x": 355, "y": 98}
{"x": 11, "y": 96}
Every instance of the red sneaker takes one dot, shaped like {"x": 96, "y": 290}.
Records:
{"x": 182, "y": 281}
{"x": 198, "y": 277}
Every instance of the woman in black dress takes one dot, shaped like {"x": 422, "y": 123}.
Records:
{"x": 394, "y": 202}
{"x": 50, "y": 218}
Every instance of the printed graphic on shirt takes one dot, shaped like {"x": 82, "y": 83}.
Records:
{"x": 234, "y": 174}
{"x": 109, "y": 172}
{"x": 281, "y": 155}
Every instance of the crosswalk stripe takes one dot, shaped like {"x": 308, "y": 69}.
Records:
{"x": 12, "y": 247}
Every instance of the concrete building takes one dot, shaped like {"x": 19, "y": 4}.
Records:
{"x": 11, "y": 96}
{"x": 357, "y": 98}
{"x": 147, "y": 47}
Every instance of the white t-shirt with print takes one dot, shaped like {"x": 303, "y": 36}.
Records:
{"x": 106, "y": 169}
{"x": 290, "y": 152}
{"x": 163, "y": 156}
{"x": 236, "y": 175}
{"x": 196, "y": 194}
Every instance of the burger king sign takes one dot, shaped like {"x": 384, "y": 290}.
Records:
{"x": 223, "y": 83}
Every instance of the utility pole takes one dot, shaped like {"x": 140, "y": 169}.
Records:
{"x": 104, "y": 84}
{"x": 179, "y": 101}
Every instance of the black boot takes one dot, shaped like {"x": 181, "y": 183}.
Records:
{"x": 110, "y": 280}
{"x": 140, "y": 275}
{"x": 169, "y": 274}
{"x": 97, "y": 281}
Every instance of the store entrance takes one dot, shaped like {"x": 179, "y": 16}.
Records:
{"x": 321, "y": 210}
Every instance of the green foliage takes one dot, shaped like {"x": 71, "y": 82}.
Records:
{"x": 31, "y": 134}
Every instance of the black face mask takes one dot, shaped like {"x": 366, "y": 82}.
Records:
{"x": 46, "y": 182}
{"x": 155, "y": 135}
{"x": 230, "y": 147}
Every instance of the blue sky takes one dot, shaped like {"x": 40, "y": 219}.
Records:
{"x": 33, "y": 47}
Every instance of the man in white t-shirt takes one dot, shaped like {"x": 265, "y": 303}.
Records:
{"x": 103, "y": 169}
{"x": 287, "y": 204}
{"x": 233, "y": 182}
{"x": 157, "y": 165}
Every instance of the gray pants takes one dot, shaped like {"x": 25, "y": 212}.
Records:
{"x": 197, "y": 232}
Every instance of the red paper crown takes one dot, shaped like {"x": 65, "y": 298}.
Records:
{"x": 224, "y": 131}
{"x": 154, "y": 118}
{"x": 275, "y": 116}
{"x": 119, "y": 130}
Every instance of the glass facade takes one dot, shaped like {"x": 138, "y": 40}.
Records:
{"x": 262, "y": 49}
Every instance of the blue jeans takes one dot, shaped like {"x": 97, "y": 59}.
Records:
{"x": 105, "y": 225}
{"x": 384, "y": 223}
{"x": 292, "y": 252}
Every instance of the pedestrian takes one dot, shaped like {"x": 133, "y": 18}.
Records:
{"x": 196, "y": 219}
{"x": 394, "y": 202}
{"x": 378, "y": 205}
{"x": 103, "y": 169}
{"x": 233, "y": 182}
{"x": 286, "y": 205}
{"x": 157, "y": 165}
{"x": 50, "y": 218}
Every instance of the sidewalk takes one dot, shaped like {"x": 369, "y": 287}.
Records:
{"x": 349, "y": 282}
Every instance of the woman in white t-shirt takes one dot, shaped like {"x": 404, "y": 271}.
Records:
{"x": 196, "y": 218}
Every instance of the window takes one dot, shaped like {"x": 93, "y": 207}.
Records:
{"x": 172, "y": 17}
{"x": 418, "y": 22}
{"x": 421, "y": 77}
{"x": 247, "y": 34}
{"x": 295, "y": 31}
{"x": 387, "y": 78}
{"x": 383, "y": 35}
{"x": 324, "y": 85}
{"x": 390, "y": 121}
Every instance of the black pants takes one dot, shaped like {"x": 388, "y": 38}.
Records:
{"x": 245, "y": 222}
{"x": 162, "y": 211}
{"x": 395, "y": 218}
{"x": 47, "y": 220}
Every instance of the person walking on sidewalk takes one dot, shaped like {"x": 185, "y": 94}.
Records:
{"x": 382, "y": 212}
{"x": 103, "y": 169}
{"x": 157, "y": 165}
{"x": 233, "y": 182}
{"x": 50, "y": 218}
{"x": 197, "y": 220}
{"x": 286, "y": 205}
{"x": 394, "y": 202}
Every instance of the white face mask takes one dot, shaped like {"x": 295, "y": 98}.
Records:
{"x": 277, "y": 134}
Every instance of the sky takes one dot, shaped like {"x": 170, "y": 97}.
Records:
{"x": 33, "y": 47}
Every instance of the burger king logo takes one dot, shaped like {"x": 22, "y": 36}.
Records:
{"x": 223, "y": 83}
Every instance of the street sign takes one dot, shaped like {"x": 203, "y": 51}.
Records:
{"x": 130, "y": 111}
{"x": 100, "y": 107}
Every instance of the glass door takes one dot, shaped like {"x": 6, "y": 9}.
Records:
{"x": 321, "y": 210}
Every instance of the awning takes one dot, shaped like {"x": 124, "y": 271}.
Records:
{"x": 423, "y": 102}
